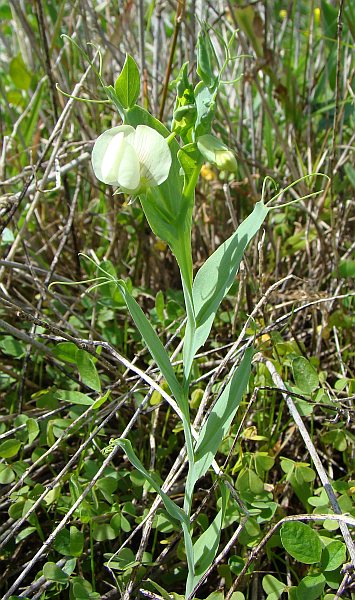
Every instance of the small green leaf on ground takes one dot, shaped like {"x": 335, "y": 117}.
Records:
{"x": 301, "y": 542}
{"x": 305, "y": 376}
{"x": 52, "y": 572}
{"x": 311, "y": 587}
{"x": 9, "y": 448}
{"x": 333, "y": 555}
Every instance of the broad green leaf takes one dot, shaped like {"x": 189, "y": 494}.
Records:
{"x": 333, "y": 555}
{"x": 87, "y": 370}
{"x": 215, "y": 277}
{"x": 66, "y": 351}
{"x": 153, "y": 342}
{"x": 7, "y": 475}
{"x": 173, "y": 509}
{"x": 271, "y": 585}
{"x": 301, "y": 542}
{"x": 305, "y": 376}
{"x": 10, "y": 346}
{"x": 24, "y": 534}
{"x": 206, "y": 546}
{"x": 219, "y": 420}
{"x": 122, "y": 560}
{"x": 69, "y": 566}
{"x": 127, "y": 84}
{"x": 103, "y": 531}
{"x": 10, "y": 448}
{"x": 248, "y": 481}
{"x": 32, "y": 430}
{"x": 76, "y": 541}
{"x": 311, "y": 587}
{"x": 52, "y": 572}
{"x": 82, "y": 590}
{"x": 74, "y": 397}
{"x": 62, "y": 542}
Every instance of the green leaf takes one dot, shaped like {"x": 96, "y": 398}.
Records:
{"x": 76, "y": 541}
{"x": 74, "y": 397}
{"x": 10, "y": 448}
{"x": 87, "y": 370}
{"x": 219, "y": 420}
{"x": 100, "y": 401}
{"x": 152, "y": 340}
{"x": 215, "y": 278}
{"x": 62, "y": 542}
{"x": 19, "y": 73}
{"x": 52, "y": 572}
{"x": 305, "y": 376}
{"x": 206, "y": 58}
{"x": 347, "y": 268}
{"x": 333, "y": 555}
{"x": 32, "y": 430}
{"x": 11, "y": 346}
{"x": 66, "y": 351}
{"x": 173, "y": 509}
{"x": 249, "y": 482}
{"x": 311, "y": 587}
{"x": 103, "y": 531}
{"x": 301, "y": 542}
{"x": 271, "y": 585}
{"x": 6, "y": 475}
{"x": 24, "y": 534}
{"x": 127, "y": 84}
{"x": 206, "y": 546}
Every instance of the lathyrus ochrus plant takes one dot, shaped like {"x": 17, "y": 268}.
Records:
{"x": 144, "y": 159}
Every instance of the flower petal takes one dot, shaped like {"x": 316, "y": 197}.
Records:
{"x": 128, "y": 168}
{"x": 154, "y": 155}
{"x": 102, "y": 171}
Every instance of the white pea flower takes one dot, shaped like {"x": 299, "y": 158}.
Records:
{"x": 214, "y": 151}
{"x": 131, "y": 159}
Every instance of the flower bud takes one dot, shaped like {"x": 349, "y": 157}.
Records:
{"x": 214, "y": 151}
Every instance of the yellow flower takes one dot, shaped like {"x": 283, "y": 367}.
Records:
{"x": 207, "y": 173}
